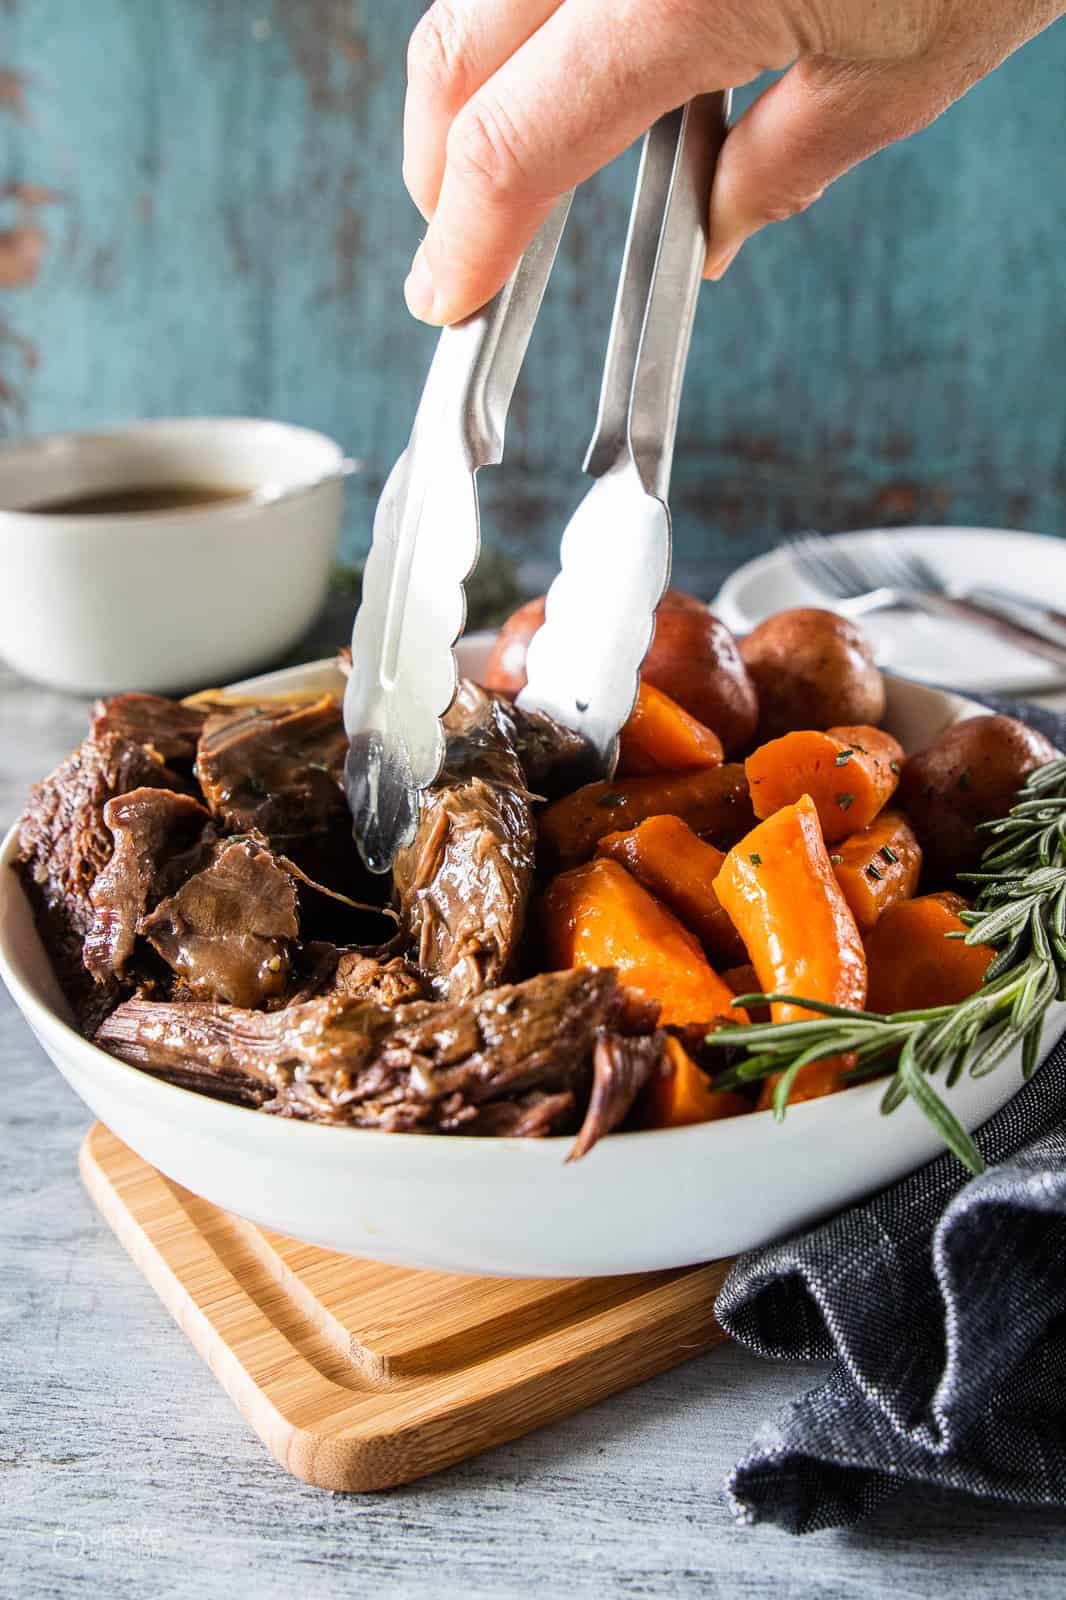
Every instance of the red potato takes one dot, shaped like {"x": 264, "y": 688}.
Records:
{"x": 811, "y": 669}
{"x": 970, "y": 775}
{"x": 693, "y": 658}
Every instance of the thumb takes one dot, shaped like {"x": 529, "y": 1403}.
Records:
{"x": 822, "y": 118}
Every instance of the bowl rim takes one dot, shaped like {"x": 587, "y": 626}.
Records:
{"x": 42, "y": 1016}
{"x": 242, "y": 507}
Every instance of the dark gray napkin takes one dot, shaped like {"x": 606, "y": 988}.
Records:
{"x": 942, "y": 1303}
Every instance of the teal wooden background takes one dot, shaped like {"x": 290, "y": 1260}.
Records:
{"x": 201, "y": 211}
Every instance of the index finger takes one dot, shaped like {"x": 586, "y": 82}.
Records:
{"x": 456, "y": 47}
{"x": 576, "y": 94}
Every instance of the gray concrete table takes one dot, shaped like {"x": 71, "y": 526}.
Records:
{"x": 127, "y": 1472}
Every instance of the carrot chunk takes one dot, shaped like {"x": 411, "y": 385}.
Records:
{"x": 714, "y": 802}
{"x": 878, "y": 867}
{"x": 911, "y": 963}
{"x": 849, "y": 773}
{"x": 597, "y": 915}
{"x": 779, "y": 889}
{"x": 662, "y": 736}
{"x": 681, "y": 1094}
{"x": 679, "y": 868}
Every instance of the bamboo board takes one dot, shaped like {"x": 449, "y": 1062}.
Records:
{"x": 359, "y": 1376}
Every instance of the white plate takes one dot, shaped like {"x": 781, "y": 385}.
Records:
{"x": 638, "y": 1201}
{"x": 929, "y": 648}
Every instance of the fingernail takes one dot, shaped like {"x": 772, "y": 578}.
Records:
{"x": 418, "y": 290}
{"x": 721, "y": 265}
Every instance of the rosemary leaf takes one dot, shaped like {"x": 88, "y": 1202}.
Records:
{"x": 944, "y": 1120}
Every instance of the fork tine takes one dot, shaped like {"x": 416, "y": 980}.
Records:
{"x": 811, "y": 558}
{"x": 928, "y": 576}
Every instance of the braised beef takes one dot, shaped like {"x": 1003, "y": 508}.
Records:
{"x": 536, "y": 1115}
{"x": 388, "y": 983}
{"x": 168, "y": 726}
{"x": 275, "y": 769}
{"x": 228, "y": 931}
{"x": 620, "y": 1069}
{"x": 149, "y": 828}
{"x": 64, "y": 842}
{"x": 464, "y": 883}
{"x": 555, "y": 759}
{"x": 320, "y": 968}
{"x": 425, "y": 1066}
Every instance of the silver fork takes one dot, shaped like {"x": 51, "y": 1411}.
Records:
{"x": 878, "y": 575}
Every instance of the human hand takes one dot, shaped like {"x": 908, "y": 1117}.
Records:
{"x": 512, "y": 102}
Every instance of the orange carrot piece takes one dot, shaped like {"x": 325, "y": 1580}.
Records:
{"x": 911, "y": 963}
{"x": 714, "y": 802}
{"x": 878, "y": 867}
{"x": 597, "y": 915}
{"x": 662, "y": 736}
{"x": 680, "y": 1094}
{"x": 679, "y": 868}
{"x": 812, "y": 1082}
{"x": 745, "y": 980}
{"x": 778, "y": 887}
{"x": 849, "y": 773}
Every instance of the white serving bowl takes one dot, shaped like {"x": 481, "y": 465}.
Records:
{"x": 637, "y": 1202}
{"x": 165, "y": 599}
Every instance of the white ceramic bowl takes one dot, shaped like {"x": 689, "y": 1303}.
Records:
{"x": 638, "y": 1201}
{"x": 165, "y": 599}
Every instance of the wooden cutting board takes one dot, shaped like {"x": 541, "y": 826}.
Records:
{"x": 361, "y": 1376}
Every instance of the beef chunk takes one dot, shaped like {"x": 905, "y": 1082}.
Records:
{"x": 150, "y": 719}
{"x": 388, "y": 983}
{"x": 228, "y": 931}
{"x": 321, "y": 968}
{"x": 465, "y": 880}
{"x": 149, "y": 828}
{"x": 64, "y": 842}
{"x": 422, "y": 1067}
{"x": 620, "y": 1069}
{"x": 555, "y": 759}
{"x": 275, "y": 769}
{"x": 531, "y": 1116}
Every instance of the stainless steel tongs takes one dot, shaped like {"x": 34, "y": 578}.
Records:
{"x": 584, "y": 662}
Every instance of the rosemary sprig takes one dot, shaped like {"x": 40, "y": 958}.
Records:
{"x": 1020, "y": 910}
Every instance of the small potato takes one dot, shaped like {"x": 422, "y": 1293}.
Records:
{"x": 970, "y": 775}
{"x": 506, "y": 671}
{"x": 693, "y": 658}
{"x": 812, "y": 669}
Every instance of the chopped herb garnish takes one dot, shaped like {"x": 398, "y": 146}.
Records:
{"x": 889, "y": 854}
{"x": 612, "y": 799}
{"x": 755, "y": 858}
{"x": 836, "y": 861}
{"x": 861, "y": 748}
{"x": 966, "y": 779}
{"x": 844, "y": 757}
{"x": 874, "y": 872}
{"x": 844, "y": 801}
{"x": 893, "y": 767}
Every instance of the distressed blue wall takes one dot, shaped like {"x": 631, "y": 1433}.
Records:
{"x": 202, "y": 211}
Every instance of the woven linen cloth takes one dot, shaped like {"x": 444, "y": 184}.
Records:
{"x": 942, "y": 1305}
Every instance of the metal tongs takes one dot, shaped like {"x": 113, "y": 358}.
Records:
{"x": 584, "y": 663}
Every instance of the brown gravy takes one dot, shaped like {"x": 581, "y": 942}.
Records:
{"x": 140, "y": 497}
